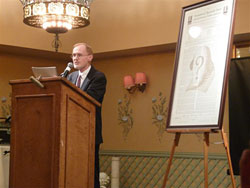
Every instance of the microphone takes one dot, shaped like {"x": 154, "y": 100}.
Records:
{"x": 67, "y": 70}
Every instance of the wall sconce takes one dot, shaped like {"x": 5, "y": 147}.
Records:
{"x": 129, "y": 83}
{"x": 140, "y": 82}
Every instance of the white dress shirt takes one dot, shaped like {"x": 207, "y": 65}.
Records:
{"x": 83, "y": 75}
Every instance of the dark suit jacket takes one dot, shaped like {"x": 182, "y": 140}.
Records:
{"x": 94, "y": 85}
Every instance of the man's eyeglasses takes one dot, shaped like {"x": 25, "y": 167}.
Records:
{"x": 78, "y": 55}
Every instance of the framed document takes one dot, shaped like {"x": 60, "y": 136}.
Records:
{"x": 201, "y": 66}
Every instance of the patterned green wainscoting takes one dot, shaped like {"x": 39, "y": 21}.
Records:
{"x": 147, "y": 169}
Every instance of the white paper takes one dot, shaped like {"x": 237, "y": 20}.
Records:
{"x": 201, "y": 68}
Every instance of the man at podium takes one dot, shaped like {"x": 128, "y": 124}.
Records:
{"x": 93, "y": 82}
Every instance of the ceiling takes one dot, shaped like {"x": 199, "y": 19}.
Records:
{"x": 115, "y": 25}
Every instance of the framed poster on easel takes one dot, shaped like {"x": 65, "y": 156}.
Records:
{"x": 200, "y": 76}
{"x": 201, "y": 66}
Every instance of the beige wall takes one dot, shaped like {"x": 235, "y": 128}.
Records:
{"x": 143, "y": 135}
{"x": 115, "y": 25}
{"x": 14, "y": 66}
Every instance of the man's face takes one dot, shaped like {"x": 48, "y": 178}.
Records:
{"x": 81, "y": 59}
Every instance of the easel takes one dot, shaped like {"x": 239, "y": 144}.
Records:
{"x": 182, "y": 61}
{"x": 206, "y": 144}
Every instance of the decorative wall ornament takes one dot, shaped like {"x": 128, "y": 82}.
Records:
{"x": 5, "y": 107}
{"x": 159, "y": 117}
{"x": 125, "y": 115}
{"x": 5, "y": 120}
{"x": 131, "y": 84}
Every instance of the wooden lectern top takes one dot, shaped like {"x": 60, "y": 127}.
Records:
{"x": 64, "y": 81}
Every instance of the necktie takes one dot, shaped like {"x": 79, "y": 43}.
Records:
{"x": 78, "y": 84}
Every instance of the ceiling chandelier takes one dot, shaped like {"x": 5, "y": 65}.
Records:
{"x": 56, "y": 16}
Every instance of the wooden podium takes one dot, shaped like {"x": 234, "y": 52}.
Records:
{"x": 52, "y": 135}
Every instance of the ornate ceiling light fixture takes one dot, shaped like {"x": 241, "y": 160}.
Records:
{"x": 56, "y": 16}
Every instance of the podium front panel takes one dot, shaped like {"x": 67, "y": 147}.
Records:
{"x": 77, "y": 144}
{"x": 52, "y": 135}
{"x": 33, "y": 140}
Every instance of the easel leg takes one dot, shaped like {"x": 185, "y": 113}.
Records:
{"x": 206, "y": 144}
{"x": 176, "y": 142}
{"x": 224, "y": 137}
